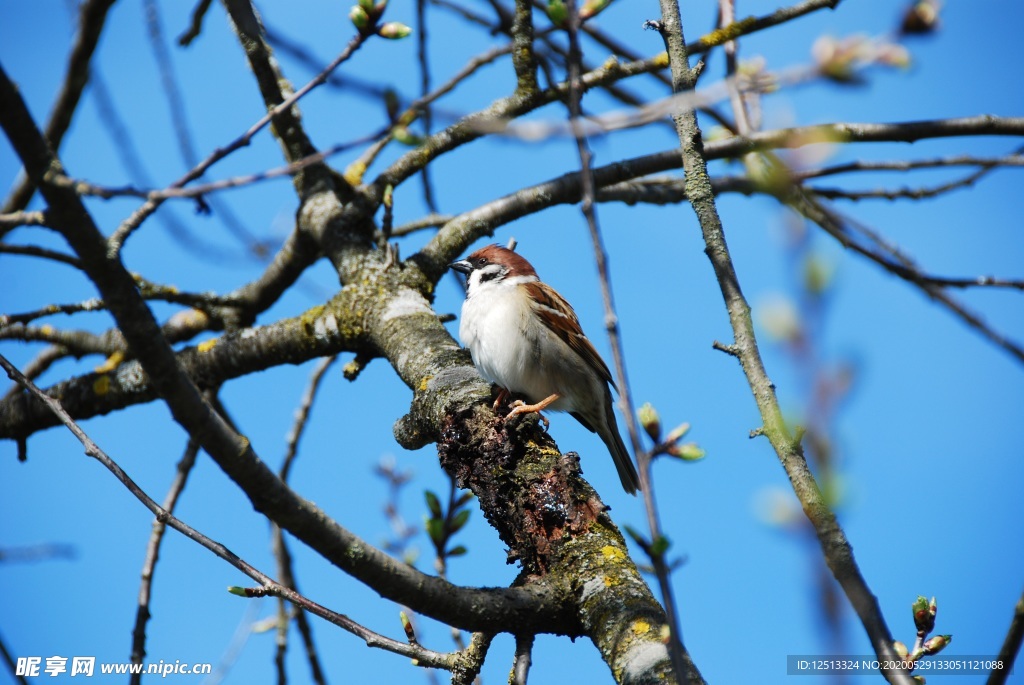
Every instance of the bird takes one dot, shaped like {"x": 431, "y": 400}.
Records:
{"x": 526, "y": 338}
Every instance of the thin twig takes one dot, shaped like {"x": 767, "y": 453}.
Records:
{"x": 10, "y": 663}
{"x": 1014, "y": 159}
{"x": 903, "y": 193}
{"x": 33, "y": 251}
{"x": 424, "y": 222}
{"x": 174, "y": 191}
{"x": 13, "y": 220}
{"x": 116, "y": 240}
{"x": 676, "y": 651}
{"x": 9, "y": 320}
{"x": 149, "y": 291}
{"x": 302, "y": 415}
{"x": 413, "y": 110}
{"x": 142, "y": 615}
{"x": 196, "y": 24}
{"x": 182, "y": 133}
{"x": 835, "y": 547}
{"x": 267, "y": 586}
{"x": 37, "y": 367}
{"x": 92, "y": 17}
{"x": 899, "y": 264}
{"x": 1011, "y": 646}
{"x": 426, "y": 115}
{"x": 285, "y": 567}
{"x": 127, "y": 154}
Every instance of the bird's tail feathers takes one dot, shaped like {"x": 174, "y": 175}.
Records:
{"x": 623, "y": 462}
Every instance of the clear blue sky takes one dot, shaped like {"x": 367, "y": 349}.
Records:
{"x": 928, "y": 438}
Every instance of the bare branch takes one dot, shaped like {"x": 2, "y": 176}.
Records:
{"x": 9, "y": 222}
{"x": 276, "y": 111}
{"x": 267, "y": 585}
{"x": 33, "y": 251}
{"x": 521, "y": 666}
{"x": 91, "y": 19}
{"x": 5, "y": 654}
{"x": 900, "y": 265}
{"x": 471, "y": 608}
{"x": 196, "y": 25}
{"x": 142, "y": 615}
{"x": 1011, "y": 646}
{"x": 836, "y": 549}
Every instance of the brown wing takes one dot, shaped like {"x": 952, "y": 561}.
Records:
{"x": 559, "y": 317}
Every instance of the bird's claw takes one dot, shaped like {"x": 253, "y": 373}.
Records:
{"x": 520, "y": 407}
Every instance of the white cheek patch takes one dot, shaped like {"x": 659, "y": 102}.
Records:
{"x": 484, "y": 275}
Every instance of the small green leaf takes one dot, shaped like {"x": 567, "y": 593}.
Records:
{"x": 660, "y": 546}
{"x": 459, "y": 520}
{"x": 558, "y": 13}
{"x": 456, "y": 551}
{"x": 236, "y": 590}
{"x": 433, "y": 504}
{"x": 435, "y": 529}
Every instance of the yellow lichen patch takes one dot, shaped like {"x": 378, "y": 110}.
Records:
{"x": 661, "y": 60}
{"x": 641, "y": 627}
{"x": 111, "y": 363}
{"x": 308, "y": 318}
{"x": 46, "y": 329}
{"x": 727, "y": 33}
{"x": 612, "y": 553}
{"x": 354, "y": 173}
{"x": 101, "y": 386}
{"x": 207, "y": 345}
{"x": 424, "y": 383}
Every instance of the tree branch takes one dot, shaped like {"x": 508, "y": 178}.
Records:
{"x": 837, "y": 550}
{"x": 473, "y": 609}
{"x": 92, "y": 17}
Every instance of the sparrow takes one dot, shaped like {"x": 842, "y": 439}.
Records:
{"x": 525, "y": 337}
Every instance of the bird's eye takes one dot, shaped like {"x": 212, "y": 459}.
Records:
{"x": 480, "y": 262}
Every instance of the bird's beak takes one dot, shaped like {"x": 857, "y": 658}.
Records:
{"x": 462, "y": 266}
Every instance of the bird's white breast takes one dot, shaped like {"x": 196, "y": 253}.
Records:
{"x": 513, "y": 348}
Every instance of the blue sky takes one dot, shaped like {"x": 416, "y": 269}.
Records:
{"x": 928, "y": 437}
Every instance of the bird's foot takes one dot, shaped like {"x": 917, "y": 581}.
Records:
{"x": 520, "y": 407}
{"x": 503, "y": 395}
